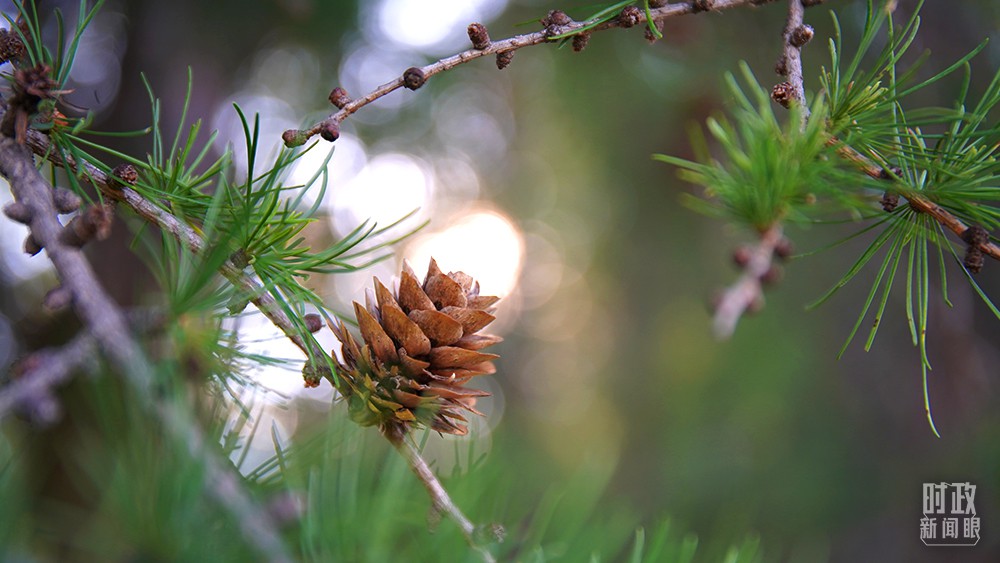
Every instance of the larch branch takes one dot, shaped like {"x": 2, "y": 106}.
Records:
{"x": 106, "y": 324}
{"x": 551, "y": 34}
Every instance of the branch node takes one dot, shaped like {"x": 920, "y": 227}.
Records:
{"x": 479, "y": 36}
{"x": 92, "y": 223}
{"x": 801, "y": 35}
{"x": 699, "y": 5}
{"x": 784, "y": 248}
{"x": 741, "y": 256}
{"x": 783, "y": 93}
{"x": 313, "y": 322}
{"x": 18, "y": 211}
{"x": 653, "y": 37}
{"x": 57, "y": 299}
{"x": 773, "y": 275}
{"x": 556, "y": 18}
{"x": 66, "y": 201}
{"x": 580, "y": 41}
{"x": 294, "y": 138}
{"x": 330, "y": 130}
{"x": 889, "y": 201}
{"x": 31, "y": 246}
{"x": 126, "y": 174}
{"x": 504, "y": 58}
{"x": 974, "y": 259}
{"x": 313, "y": 373}
{"x": 629, "y": 17}
{"x": 413, "y": 78}
{"x": 339, "y": 97}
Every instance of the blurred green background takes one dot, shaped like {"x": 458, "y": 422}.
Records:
{"x": 614, "y": 404}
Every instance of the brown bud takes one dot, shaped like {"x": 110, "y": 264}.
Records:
{"x": 887, "y": 175}
{"x": 339, "y": 97}
{"x": 630, "y": 16}
{"x": 126, "y": 174}
{"x": 18, "y": 211}
{"x": 580, "y": 41}
{"x": 699, "y": 5}
{"x": 294, "y": 138}
{"x": 92, "y": 223}
{"x": 652, "y": 37}
{"x": 801, "y": 35}
{"x": 330, "y": 130}
{"x": 657, "y": 3}
{"x": 974, "y": 259}
{"x": 773, "y": 275}
{"x": 413, "y": 78}
{"x": 31, "y": 246}
{"x": 313, "y": 374}
{"x": 811, "y": 3}
{"x": 11, "y": 46}
{"x": 479, "y": 36}
{"x": 976, "y": 235}
{"x": 889, "y": 201}
{"x": 313, "y": 322}
{"x": 65, "y": 200}
{"x": 741, "y": 256}
{"x": 783, "y": 94}
{"x": 784, "y": 249}
{"x": 504, "y": 58}
{"x": 557, "y": 18}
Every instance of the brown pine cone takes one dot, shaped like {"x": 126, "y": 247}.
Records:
{"x": 421, "y": 345}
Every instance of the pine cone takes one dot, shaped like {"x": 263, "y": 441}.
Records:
{"x": 421, "y": 345}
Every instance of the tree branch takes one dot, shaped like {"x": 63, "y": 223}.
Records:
{"x": 795, "y": 36}
{"x": 42, "y": 371}
{"x": 440, "y": 499}
{"x": 551, "y": 34}
{"x": 916, "y": 201}
{"x": 113, "y": 189}
{"x": 106, "y": 324}
{"x": 748, "y": 291}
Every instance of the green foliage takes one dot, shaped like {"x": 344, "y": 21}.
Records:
{"x": 772, "y": 173}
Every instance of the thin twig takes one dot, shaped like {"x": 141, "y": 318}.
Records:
{"x": 106, "y": 324}
{"x": 552, "y": 34}
{"x": 796, "y": 35}
{"x": 45, "y": 370}
{"x": 916, "y": 201}
{"x": 748, "y": 289}
{"x": 440, "y": 499}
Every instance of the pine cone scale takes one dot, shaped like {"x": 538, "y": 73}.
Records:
{"x": 442, "y": 329}
{"x": 375, "y": 336}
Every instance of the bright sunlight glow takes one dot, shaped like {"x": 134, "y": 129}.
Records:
{"x": 420, "y": 24}
{"x": 483, "y": 244}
